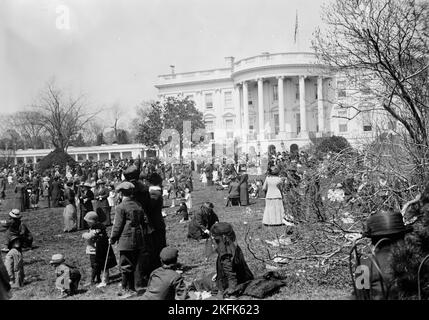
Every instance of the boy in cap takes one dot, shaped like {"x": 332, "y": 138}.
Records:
{"x": 68, "y": 276}
{"x": 165, "y": 283}
{"x": 97, "y": 247}
{"x": 128, "y": 231}
{"x": 14, "y": 262}
{"x": 15, "y": 227}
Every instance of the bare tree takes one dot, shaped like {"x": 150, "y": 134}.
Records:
{"x": 29, "y": 125}
{"x": 381, "y": 47}
{"x": 62, "y": 117}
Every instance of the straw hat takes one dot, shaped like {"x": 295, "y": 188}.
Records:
{"x": 91, "y": 216}
{"x": 15, "y": 214}
{"x": 57, "y": 259}
{"x": 125, "y": 186}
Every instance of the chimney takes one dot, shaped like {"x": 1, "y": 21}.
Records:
{"x": 230, "y": 62}
{"x": 172, "y": 69}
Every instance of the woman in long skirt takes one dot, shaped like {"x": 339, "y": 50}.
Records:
{"x": 274, "y": 212}
{"x": 69, "y": 213}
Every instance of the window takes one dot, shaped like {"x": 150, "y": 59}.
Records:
{"x": 342, "y": 89}
{"x": 228, "y": 99}
{"x": 249, "y": 97}
{"x": 229, "y": 124}
{"x": 275, "y": 93}
{"x": 209, "y": 100}
{"x": 209, "y": 126}
{"x": 343, "y": 127}
{"x": 367, "y": 127}
{"x": 298, "y": 123}
{"x": 316, "y": 93}
{"x": 366, "y": 90}
{"x": 297, "y": 91}
{"x": 190, "y": 97}
{"x": 342, "y": 113}
{"x": 276, "y": 124}
{"x": 230, "y": 135}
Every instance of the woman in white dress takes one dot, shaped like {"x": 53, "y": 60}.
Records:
{"x": 274, "y": 212}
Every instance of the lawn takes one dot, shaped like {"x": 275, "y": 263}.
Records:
{"x": 307, "y": 278}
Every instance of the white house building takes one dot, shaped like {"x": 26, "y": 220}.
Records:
{"x": 270, "y": 99}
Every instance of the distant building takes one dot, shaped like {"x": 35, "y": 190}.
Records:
{"x": 80, "y": 154}
{"x": 270, "y": 99}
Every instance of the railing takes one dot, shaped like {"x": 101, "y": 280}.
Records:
{"x": 197, "y": 75}
{"x": 291, "y": 58}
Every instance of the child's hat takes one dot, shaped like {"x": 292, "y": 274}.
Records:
{"x": 15, "y": 213}
{"x": 169, "y": 255}
{"x": 91, "y": 216}
{"x": 57, "y": 258}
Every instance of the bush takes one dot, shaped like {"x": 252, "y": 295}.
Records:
{"x": 56, "y": 157}
{"x": 334, "y": 144}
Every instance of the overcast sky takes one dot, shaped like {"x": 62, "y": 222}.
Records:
{"x": 114, "y": 50}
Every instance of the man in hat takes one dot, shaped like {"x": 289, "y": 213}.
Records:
{"x": 129, "y": 231}
{"x": 375, "y": 275}
{"x": 68, "y": 276}
{"x": 85, "y": 199}
{"x": 165, "y": 283}
{"x": 15, "y": 227}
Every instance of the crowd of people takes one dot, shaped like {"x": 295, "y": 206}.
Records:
{"x": 137, "y": 192}
{"x": 134, "y": 191}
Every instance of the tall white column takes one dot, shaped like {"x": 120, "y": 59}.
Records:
{"x": 289, "y": 95}
{"x": 281, "y": 106}
{"x": 237, "y": 108}
{"x": 110, "y": 156}
{"x": 98, "y": 156}
{"x": 246, "y": 110}
{"x": 302, "y": 108}
{"x": 320, "y": 110}
{"x": 261, "y": 108}
{"x": 121, "y": 155}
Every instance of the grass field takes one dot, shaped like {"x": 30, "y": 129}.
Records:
{"x": 307, "y": 279}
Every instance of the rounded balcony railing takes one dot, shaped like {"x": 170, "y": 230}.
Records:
{"x": 265, "y": 60}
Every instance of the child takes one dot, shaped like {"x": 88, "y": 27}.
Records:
{"x": 183, "y": 210}
{"x": 97, "y": 247}
{"x": 188, "y": 198}
{"x": 165, "y": 283}
{"x": 17, "y": 228}
{"x": 203, "y": 179}
{"x": 14, "y": 262}
{"x": 172, "y": 192}
{"x": 68, "y": 277}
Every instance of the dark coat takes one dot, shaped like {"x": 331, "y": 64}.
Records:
{"x": 156, "y": 220}
{"x": 21, "y": 230}
{"x": 202, "y": 220}
{"x": 20, "y": 191}
{"x": 104, "y": 194}
{"x": 165, "y": 284}
{"x": 244, "y": 190}
{"x": 234, "y": 190}
{"x": 55, "y": 193}
{"x": 86, "y": 206}
{"x": 232, "y": 270}
{"x": 101, "y": 241}
{"x": 128, "y": 226}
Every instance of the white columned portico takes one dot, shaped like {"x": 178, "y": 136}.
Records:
{"x": 320, "y": 110}
{"x": 302, "y": 107}
{"x": 246, "y": 110}
{"x": 261, "y": 108}
{"x": 288, "y": 124}
{"x": 281, "y": 107}
{"x": 237, "y": 109}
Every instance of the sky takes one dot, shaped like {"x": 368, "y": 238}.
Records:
{"x": 112, "y": 51}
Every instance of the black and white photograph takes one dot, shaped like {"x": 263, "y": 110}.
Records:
{"x": 228, "y": 151}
